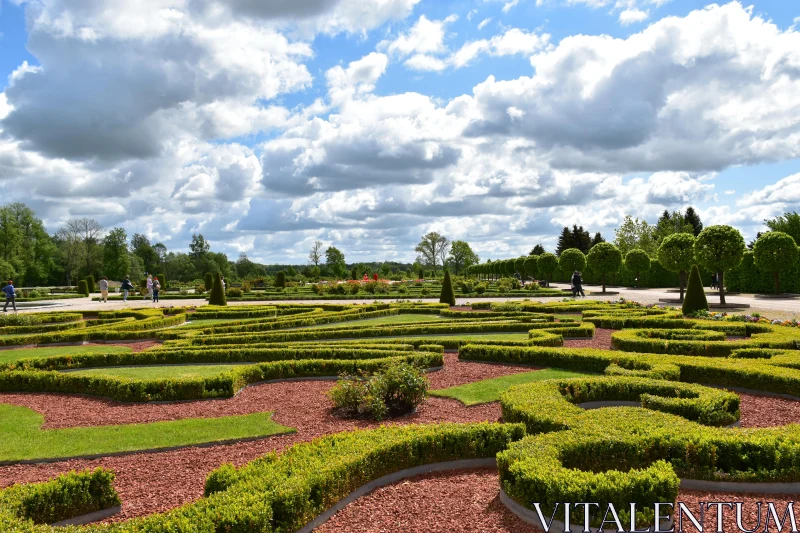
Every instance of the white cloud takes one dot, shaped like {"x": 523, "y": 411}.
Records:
{"x": 508, "y": 5}
{"x": 359, "y": 77}
{"x": 632, "y": 16}
{"x": 784, "y": 192}
{"x": 425, "y": 37}
{"x": 482, "y": 24}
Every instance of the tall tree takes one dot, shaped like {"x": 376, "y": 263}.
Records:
{"x": 634, "y": 233}
{"x": 597, "y": 239}
{"x": 461, "y": 256}
{"x": 70, "y": 251}
{"x": 789, "y": 223}
{"x": 334, "y": 259}
{"x": 670, "y": 224}
{"x": 537, "y": 250}
{"x": 140, "y": 245}
{"x": 315, "y": 255}
{"x": 26, "y": 245}
{"x": 89, "y": 233}
{"x": 432, "y": 249}
{"x": 116, "y": 258}
{"x": 199, "y": 247}
{"x": 775, "y": 251}
{"x": 581, "y": 239}
{"x": 693, "y": 218}
{"x": 565, "y": 241}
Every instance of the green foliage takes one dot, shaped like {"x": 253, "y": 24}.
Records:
{"x": 788, "y": 223}
{"x": 637, "y": 261}
{"x": 747, "y": 278}
{"x": 83, "y": 287}
{"x": 163, "y": 280}
{"x": 531, "y": 265}
{"x": 233, "y": 292}
{"x": 719, "y": 248}
{"x": 116, "y": 260}
{"x": 208, "y": 281}
{"x": 217, "y": 296}
{"x": 634, "y": 233}
{"x": 604, "y": 258}
{"x": 395, "y": 391}
{"x": 90, "y": 285}
{"x": 695, "y": 299}
{"x": 461, "y": 256}
{"x": 775, "y": 251}
{"x": 447, "y": 296}
{"x": 571, "y": 259}
{"x": 676, "y": 252}
{"x": 547, "y": 264}
{"x": 280, "y": 279}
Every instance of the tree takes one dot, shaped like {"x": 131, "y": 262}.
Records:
{"x": 565, "y": 241}
{"x": 693, "y": 218}
{"x": 637, "y": 261}
{"x": 25, "y": 245}
{"x": 676, "y": 254}
{"x": 597, "y": 239}
{"x": 531, "y": 264}
{"x": 571, "y": 260}
{"x": 537, "y": 250}
{"x": 635, "y": 234}
{"x": 604, "y": 259}
{"x": 447, "y": 296}
{"x": 461, "y": 256}
{"x": 695, "y": 294}
{"x": 87, "y": 232}
{"x": 116, "y": 260}
{"x": 280, "y": 280}
{"x": 315, "y": 255}
{"x": 547, "y": 264}
{"x": 334, "y": 258}
{"x": 581, "y": 239}
{"x": 519, "y": 266}
{"x": 775, "y": 251}
{"x": 70, "y": 249}
{"x": 670, "y": 224}
{"x": 789, "y": 223}
{"x": 141, "y": 246}
{"x": 432, "y": 248}
{"x": 719, "y": 248}
{"x": 217, "y": 296}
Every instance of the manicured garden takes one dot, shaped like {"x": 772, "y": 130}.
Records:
{"x": 255, "y": 385}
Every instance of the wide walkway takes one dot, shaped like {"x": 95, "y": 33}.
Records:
{"x": 773, "y": 308}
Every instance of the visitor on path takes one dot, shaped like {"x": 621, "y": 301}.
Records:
{"x": 156, "y": 289}
{"x": 126, "y": 286}
{"x": 11, "y": 296}
{"x": 577, "y": 285}
{"x": 149, "y": 295}
{"x": 103, "y": 289}
{"x": 223, "y": 283}
{"x": 714, "y": 281}
{"x": 365, "y": 277}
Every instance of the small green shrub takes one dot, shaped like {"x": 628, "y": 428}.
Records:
{"x": 83, "y": 287}
{"x": 234, "y": 292}
{"x": 447, "y": 296}
{"x": 200, "y": 288}
{"x": 695, "y": 299}
{"x": 217, "y": 296}
{"x": 280, "y": 279}
{"x": 398, "y": 390}
{"x": 90, "y": 283}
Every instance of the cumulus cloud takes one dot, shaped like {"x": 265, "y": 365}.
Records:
{"x": 632, "y": 16}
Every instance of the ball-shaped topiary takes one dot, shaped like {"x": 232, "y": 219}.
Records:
{"x": 571, "y": 260}
{"x": 547, "y": 264}
{"x": 217, "y": 296}
{"x": 604, "y": 258}
{"x": 637, "y": 261}
{"x": 280, "y": 280}
{"x": 208, "y": 281}
{"x": 83, "y": 287}
{"x": 676, "y": 254}
{"x": 531, "y": 265}
{"x": 90, "y": 283}
{"x": 775, "y": 251}
{"x": 695, "y": 294}
{"x": 719, "y": 248}
{"x": 447, "y": 296}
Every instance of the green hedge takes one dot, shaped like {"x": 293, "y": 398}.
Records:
{"x": 747, "y": 278}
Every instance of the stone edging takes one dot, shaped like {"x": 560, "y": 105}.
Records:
{"x": 89, "y": 518}
{"x": 392, "y": 478}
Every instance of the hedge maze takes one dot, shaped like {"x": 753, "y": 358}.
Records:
{"x": 676, "y": 377}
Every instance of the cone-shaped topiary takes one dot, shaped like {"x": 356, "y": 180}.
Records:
{"x": 695, "y": 299}
{"x": 447, "y": 295}
{"x": 83, "y": 287}
{"x": 208, "y": 281}
{"x": 217, "y": 296}
{"x": 90, "y": 283}
{"x": 280, "y": 279}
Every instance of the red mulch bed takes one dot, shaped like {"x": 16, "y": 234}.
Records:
{"x": 446, "y": 502}
{"x": 601, "y": 340}
{"x": 134, "y": 346}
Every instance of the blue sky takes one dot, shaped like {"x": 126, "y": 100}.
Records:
{"x": 368, "y": 124}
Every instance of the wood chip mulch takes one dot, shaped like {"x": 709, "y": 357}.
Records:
{"x": 600, "y": 341}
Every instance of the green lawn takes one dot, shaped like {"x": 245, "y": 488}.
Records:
{"x": 159, "y": 371}
{"x": 489, "y": 390}
{"x": 12, "y": 355}
{"x": 21, "y": 436}
{"x": 206, "y": 322}
{"x": 383, "y": 320}
{"x": 560, "y": 316}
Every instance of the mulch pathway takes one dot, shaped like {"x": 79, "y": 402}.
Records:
{"x": 600, "y": 341}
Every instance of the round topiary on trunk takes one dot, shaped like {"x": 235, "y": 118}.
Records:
{"x": 447, "y": 296}
{"x": 571, "y": 260}
{"x": 217, "y": 296}
{"x": 775, "y": 251}
{"x": 637, "y": 261}
{"x": 83, "y": 287}
{"x": 695, "y": 299}
{"x": 719, "y": 248}
{"x": 90, "y": 283}
{"x": 676, "y": 254}
{"x": 604, "y": 258}
{"x": 208, "y": 281}
{"x": 280, "y": 279}
{"x": 547, "y": 264}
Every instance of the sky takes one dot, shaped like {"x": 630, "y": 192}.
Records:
{"x": 365, "y": 124}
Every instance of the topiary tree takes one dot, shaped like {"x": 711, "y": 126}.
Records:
{"x": 208, "y": 281}
{"x": 547, "y": 264}
{"x": 775, "y": 251}
{"x": 571, "y": 259}
{"x": 519, "y": 266}
{"x": 163, "y": 280}
{"x": 719, "y": 248}
{"x": 637, "y": 261}
{"x": 83, "y": 287}
{"x": 447, "y": 296}
{"x": 90, "y": 283}
{"x": 217, "y": 296}
{"x": 676, "y": 254}
{"x": 604, "y": 258}
{"x": 509, "y": 267}
{"x": 531, "y": 265}
{"x": 695, "y": 294}
{"x": 280, "y": 280}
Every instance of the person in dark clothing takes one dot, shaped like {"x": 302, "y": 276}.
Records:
{"x": 714, "y": 281}
{"x": 126, "y": 287}
{"x": 11, "y": 296}
{"x": 577, "y": 285}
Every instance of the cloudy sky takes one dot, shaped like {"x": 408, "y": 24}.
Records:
{"x": 367, "y": 123}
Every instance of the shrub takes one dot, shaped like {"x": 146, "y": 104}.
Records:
{"x": 775, "y": 251}
{"x": 480, "y": 288}
{"x": 163, "y": 280}
{"x": 200, "y": 288}
{"x": 425, "y": 291}
{"x": 447, "y": 296}
{"x": 604, "y": 258}
{"x": 217, "y": 296}
{"x": 234, "y": 292}
{"x": 90, "y": 283}
{"x": 398, "y": 390}
{"x": 280, "y": 279}
{"x": 719, "y": 248}
{"x": 208, "y": 281}
{"x": 246, "y": 287}
{"x": 83, "y": 287}
{"x": 354, "y": 288}
{"x": 547, "y": 264}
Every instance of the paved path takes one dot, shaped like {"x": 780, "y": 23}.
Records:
{"x": 777, "y": 308}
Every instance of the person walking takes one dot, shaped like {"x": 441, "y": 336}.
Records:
{"x": 572, "y": 283}
{"x": 126, "y": 286}
{"x": 11, "y": 296}
{"x": 156, "y": 289}
{"x": 149, "y": 295}
{"x": 577, "y": 284}
{"x": 103, "y": 289}
{"x": 224, "y": 286}
{"x": 714, "y": 281}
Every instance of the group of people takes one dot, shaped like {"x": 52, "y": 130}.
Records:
{"x": 577, "y": 284}
{"x": 153, "y": 288}
{"x": 715, "y": 281}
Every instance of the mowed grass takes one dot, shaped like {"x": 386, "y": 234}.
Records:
{"x": 158, "y": 371}
{"x": 489, "y": 390}
{"x": 7, "y": 356}
{"x": 21, "y": 436}
{"x": 383, "y": 320}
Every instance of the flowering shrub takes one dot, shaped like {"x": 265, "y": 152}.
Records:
{"x": 397, "y": 390}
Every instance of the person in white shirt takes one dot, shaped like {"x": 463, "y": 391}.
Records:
{"x": 103, "y": 289}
